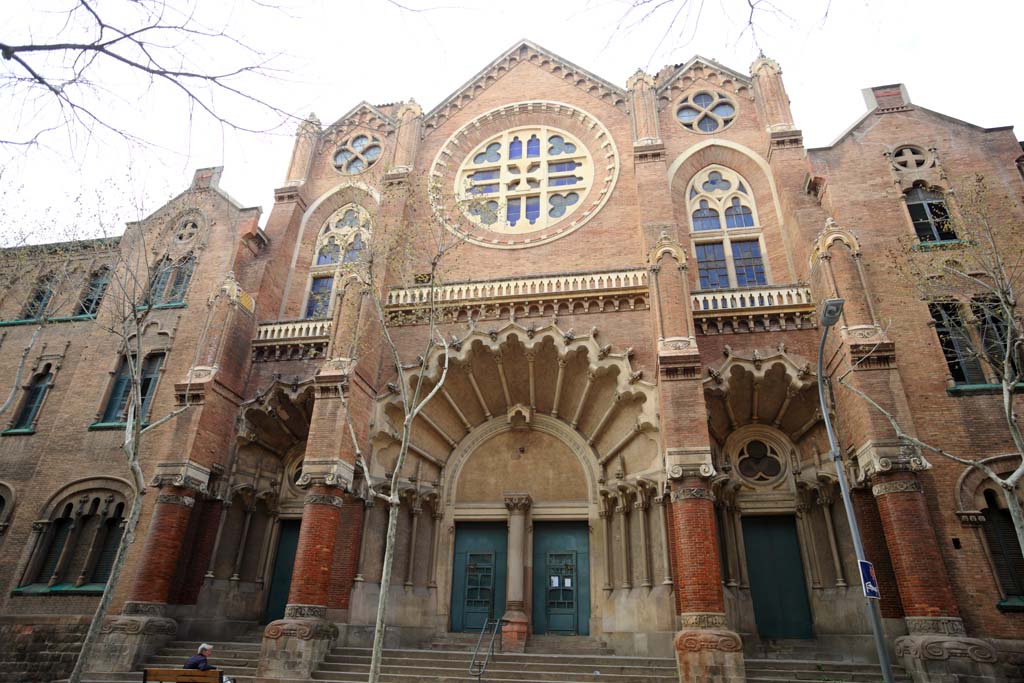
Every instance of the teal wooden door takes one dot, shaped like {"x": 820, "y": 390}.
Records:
{"x": 561, "y": 578}
{"x": 478, "y": 574}
{"x": 777, "y": 584}
{"x": 281, "y": 579}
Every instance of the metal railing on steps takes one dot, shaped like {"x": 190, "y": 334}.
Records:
{"x": 478, "y": 666}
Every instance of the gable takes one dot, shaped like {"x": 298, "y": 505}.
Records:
{"x": 364, "y": 116}
{"x": 672, "y": 84}
{"x": 524, "y": 52}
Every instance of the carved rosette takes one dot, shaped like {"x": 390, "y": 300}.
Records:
{"x": 518, "y": 502}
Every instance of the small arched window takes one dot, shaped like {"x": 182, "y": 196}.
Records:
{"x": 34, "y": 395}
{"x": 95, "y": 289}
{"x": 170, "y": 280}
{"x": 930, "y": 216}
{"x": 1003, "y": 546}
{"x": 706, "y": 218}
{"x": 354, "y": 250}
{"x": 78, "y": 539}
{"x": 738, "y": 216}
{"x": 39, "y": 301}
{"x": 329, "y": 252}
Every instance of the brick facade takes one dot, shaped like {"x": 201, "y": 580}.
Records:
{"x": 599, "y": 344}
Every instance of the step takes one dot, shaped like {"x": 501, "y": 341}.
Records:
{"x": 191, "y": 645}
{"x": 603, "y": 660}
{"x": 417, "y": 667}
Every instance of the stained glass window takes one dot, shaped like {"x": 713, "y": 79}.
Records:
{"x": 520, "y": 172}
{"x": 746, "y": 259}
{"x": 319, "y": 301}
{"x": 711, "y": 267}
{"x": 929, "y": 215}
{"x": 357, "y": 154}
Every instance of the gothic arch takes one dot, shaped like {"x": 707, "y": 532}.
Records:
{"x": 85, "y": 485}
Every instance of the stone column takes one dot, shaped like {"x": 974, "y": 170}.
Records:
{"x": 142, "y": 628}
{"x": 516, "y": 623}
{"x": 706, "y": 650}
{"x": 937, "y": 648}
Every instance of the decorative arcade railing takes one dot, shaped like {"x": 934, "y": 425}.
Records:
{"x": 291, "y": 340}
{"x": 752, "y": 309}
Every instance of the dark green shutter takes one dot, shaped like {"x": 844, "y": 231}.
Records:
{"x": 62, "y": 528}
{"x": 33, "y": 399}
{"x": 108, "y": 553}
{"x": 1005, "y": 550}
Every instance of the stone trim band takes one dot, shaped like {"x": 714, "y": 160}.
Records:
{"x": 305, "y": 612}
{"x": 171, "y": 499}
{"x": 901, "y": 486}
{"x": 683, "y": 494}
{"x": 324, "y": 499}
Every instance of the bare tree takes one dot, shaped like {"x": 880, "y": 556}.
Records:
{"x": 415, "y": 254}
{"x": 972, "y": 275}
{"x": 71, "y": 60}
{"x": 136, "y": 287}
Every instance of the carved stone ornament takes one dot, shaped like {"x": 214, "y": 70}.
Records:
{"x": 704, "y": 620}
{"x": 689, "y": 462}
{"x": 707, "y": 639}
{"x": 311, "y": 629}
{"x": 943, "y": 648}
{"x": 883, "y": 457}
{"x": 305, "y": 612}
{"x": 685, "y": 493}
{"x": 949, "y": 626}
{"x": 901, "y": 486}
{"x": 324, "y": 499}
{"x": 518, "y": 502}
{"x": 186, "y": 475}
{"x": 149, "y": 626}
{"x": 171, "y": 499}
{"x": 331, "y": 472}
{"x": 144, "y": 609}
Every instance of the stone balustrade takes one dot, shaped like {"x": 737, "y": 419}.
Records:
{"x": 291, "y": 340}
{"x": 752, "y": 309}
{"x": 516, "y": 288}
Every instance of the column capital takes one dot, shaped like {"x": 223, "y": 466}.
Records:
{"x": 330, "y": 472}
{"x": 182, "y": 475}
{"x": 692, "y": 462}
{"x": 518, "y": 502}
{"x": 878, "y": 458}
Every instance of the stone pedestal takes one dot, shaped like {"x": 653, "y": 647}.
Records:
{"x": 294, "y": 646}
{"x": 937, "y": 650}
{"x": 130, "y": 638}
{"x": 707, "y": 651}
{"x": 515, "y": 628}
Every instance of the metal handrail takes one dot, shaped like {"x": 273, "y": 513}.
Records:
{"x": 478, "y": 668}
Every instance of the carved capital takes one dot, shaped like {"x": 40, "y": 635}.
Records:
{"x": 183, "y": 475}
{"x": 883, "y": 457}
{"x": 688, "y": 641}
{"x": 331, "y": 472}
{"x": 518, "y": 502}
{"x": 302, "y": 629}
{"x": 681, "y": 463}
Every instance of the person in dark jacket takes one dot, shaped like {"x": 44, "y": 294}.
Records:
{"x": 199, "y": 661}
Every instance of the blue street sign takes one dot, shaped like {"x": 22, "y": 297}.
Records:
{"x": 869, "y": 581}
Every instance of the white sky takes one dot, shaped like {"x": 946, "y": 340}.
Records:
{"x": 959, "y": 60}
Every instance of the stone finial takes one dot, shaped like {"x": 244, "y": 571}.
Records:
{"x": 638, "y": 78}
{"x": 763, "y": 63}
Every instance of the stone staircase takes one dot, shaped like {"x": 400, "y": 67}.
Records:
{"x": 548, "y": 659}
{"x": 789, "y": 670}
{"x": 238, "y": 660}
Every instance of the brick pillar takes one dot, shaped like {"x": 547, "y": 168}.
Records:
{"x": 311, "y": 575}
{"x": 142, "y": 628}
{"x": 706, "y": 649}
{"x": 937, "y": 649}
{"x": 872, "y": 535}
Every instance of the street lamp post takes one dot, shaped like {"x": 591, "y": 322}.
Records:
{"x": 830, "y": 312}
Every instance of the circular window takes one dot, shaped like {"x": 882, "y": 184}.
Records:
{"x": 758, "y": 462}
{"x": 909, "y": 157}
{"x": 524, "y": 180}
{"x": 187, "y": 231}
{"x": 357, "y": 154}
{"x": 706, "y": 112}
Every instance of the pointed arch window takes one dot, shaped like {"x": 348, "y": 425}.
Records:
{"x": 35, "y": 393}
{"x": 95, "y": 289}
{"x": 343, "y": 239}
{"x": 170, "y": 280}
{"x": 39, "y": 301}
{"x": 116, "y": 410}
{"x": 731, "y": 254}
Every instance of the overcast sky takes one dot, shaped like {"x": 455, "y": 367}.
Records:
{"x": 956, "y": 58}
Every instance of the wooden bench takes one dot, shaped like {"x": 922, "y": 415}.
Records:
{"x": 182, "y": 676}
